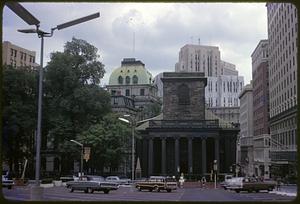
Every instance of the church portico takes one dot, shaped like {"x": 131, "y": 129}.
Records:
{"x": 182, "y": 141}
{"x": 189, "y": 153}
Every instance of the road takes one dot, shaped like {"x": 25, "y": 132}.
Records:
{"x": 131, "y": 194}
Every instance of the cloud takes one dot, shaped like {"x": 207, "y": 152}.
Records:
{"x": 154, "y": 31}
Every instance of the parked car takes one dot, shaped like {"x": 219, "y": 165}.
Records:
{"x": 157, "y": 183}
{"x": 118, "y": 180}
{"x": 89, "y": 184}
{"x": 251, "y": 184}
{"x": 226, "y": 181}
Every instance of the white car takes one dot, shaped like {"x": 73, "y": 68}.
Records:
{"x": 117, "y": 180}
{"x": 234, "y": 183}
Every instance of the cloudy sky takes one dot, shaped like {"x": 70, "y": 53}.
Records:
{"x": 160, "y": 30}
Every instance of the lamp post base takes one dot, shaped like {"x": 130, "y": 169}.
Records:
{"x": 36, "y": 193}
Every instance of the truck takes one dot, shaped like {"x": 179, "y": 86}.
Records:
{"x": 251, "y": 184}
{"x": 89, "y": 184}
{"x": 157, "y": 183}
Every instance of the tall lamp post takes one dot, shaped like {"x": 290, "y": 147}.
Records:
{"x": 81, "y": 156}
{"x": 31, "y": 20}
{"x": 132, "y": 122}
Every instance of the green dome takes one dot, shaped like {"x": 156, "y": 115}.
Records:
{"x": 131, "y": 74}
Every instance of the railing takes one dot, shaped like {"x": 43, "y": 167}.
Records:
{"x": 184, "y": 124}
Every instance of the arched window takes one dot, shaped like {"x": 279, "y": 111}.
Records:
{"x": 135, "y": 79}
{"x": 120, "y": 80}
{"x": 183, "y": 93}
{"x": 127, "y": 80}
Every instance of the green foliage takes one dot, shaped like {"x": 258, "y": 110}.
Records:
{"x": 74, "y": 107}
{"x": 108, "y": 140}
{"x": 74, "y": 99}
{"x": 19, "y": 112}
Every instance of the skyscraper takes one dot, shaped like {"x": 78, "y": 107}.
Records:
{"x": 261, "y": 128}
{"x": 282, "y": 35}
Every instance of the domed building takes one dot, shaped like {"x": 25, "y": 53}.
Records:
{"x": 132, "y": 86}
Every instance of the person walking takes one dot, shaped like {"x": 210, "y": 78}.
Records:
{"x": 203, "y": 181}
{"x": 181, "y": 180}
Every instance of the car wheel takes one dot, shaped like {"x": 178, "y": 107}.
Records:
{"x": 237, "y": 191}
{"x": 86, "y": 190}
{"x": 106, "y": 191}
{"x": 9, "y": 187}
{"x": 90, "y": 190}
{"x": 257, "y": 191}
{"x": 156, "y": 188}
{"x": 169, "y": 190}
{"x": 139, "y": 188}
{"x": 71, "y": 190}
{"x": 150, "y": 189}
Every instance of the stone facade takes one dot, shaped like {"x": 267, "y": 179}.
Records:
{"x": 182, "y": 92}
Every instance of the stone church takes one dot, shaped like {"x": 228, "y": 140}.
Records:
{"x": 186, "y": 137}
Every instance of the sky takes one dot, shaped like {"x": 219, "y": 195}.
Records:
{"x": 150, "y": 32}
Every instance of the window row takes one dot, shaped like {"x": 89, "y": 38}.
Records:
{"x": 23, "y": 55}
{"x": 127, "y": 80}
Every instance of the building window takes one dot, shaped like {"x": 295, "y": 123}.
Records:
{"x": 120, "y": 80}
{"x": 142, "y": 92}
{"x": 127, "y": 92}
{"x": 127, "y": 80}
{"x": 183, "y": 94}
{"x": 113, "y": 92}
{"x": 135, "y": 79}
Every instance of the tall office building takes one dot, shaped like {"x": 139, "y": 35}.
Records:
{"x": 223, "y": 82}
{"x": 17, "y": 56}
{"x": 261, "y": 128}
{"x": 282, "y": 34}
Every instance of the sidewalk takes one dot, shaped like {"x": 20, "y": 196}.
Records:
{"x": 288, "y": 190}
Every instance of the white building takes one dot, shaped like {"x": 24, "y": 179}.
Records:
{"x": 246, "y": 132}
{"x": 223, "y": 83}
{"x": 282, "y": 35}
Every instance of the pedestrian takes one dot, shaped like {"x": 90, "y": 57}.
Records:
{"x": 203, "y": 181}
{"x": 181, "y": 180}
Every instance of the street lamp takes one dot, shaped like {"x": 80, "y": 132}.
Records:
{"x": 132, "y": 122}
{"x": 31, "y": 20}
{"x": 81, "y": 156}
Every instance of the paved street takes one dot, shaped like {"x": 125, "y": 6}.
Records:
{"x": 131, "y": 194}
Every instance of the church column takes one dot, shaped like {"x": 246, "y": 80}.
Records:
{"x": 150, "y": 157}
{"x": 217, "y": 153}
{"x": 190, "y": 155}
{"x": 177, "y": 168}
{"x": 163, "y": 155}
{"x": 204, "y": 156}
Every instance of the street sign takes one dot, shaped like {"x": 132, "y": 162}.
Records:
{"x": 86, "y": 154}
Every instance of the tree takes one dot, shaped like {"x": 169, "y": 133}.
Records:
{"x": 108, "y": 140}
{"x": 74, "y": 101}
{"x": 19, "y": 114}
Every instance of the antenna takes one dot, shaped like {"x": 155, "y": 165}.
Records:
{"x": 133, "y": 43}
